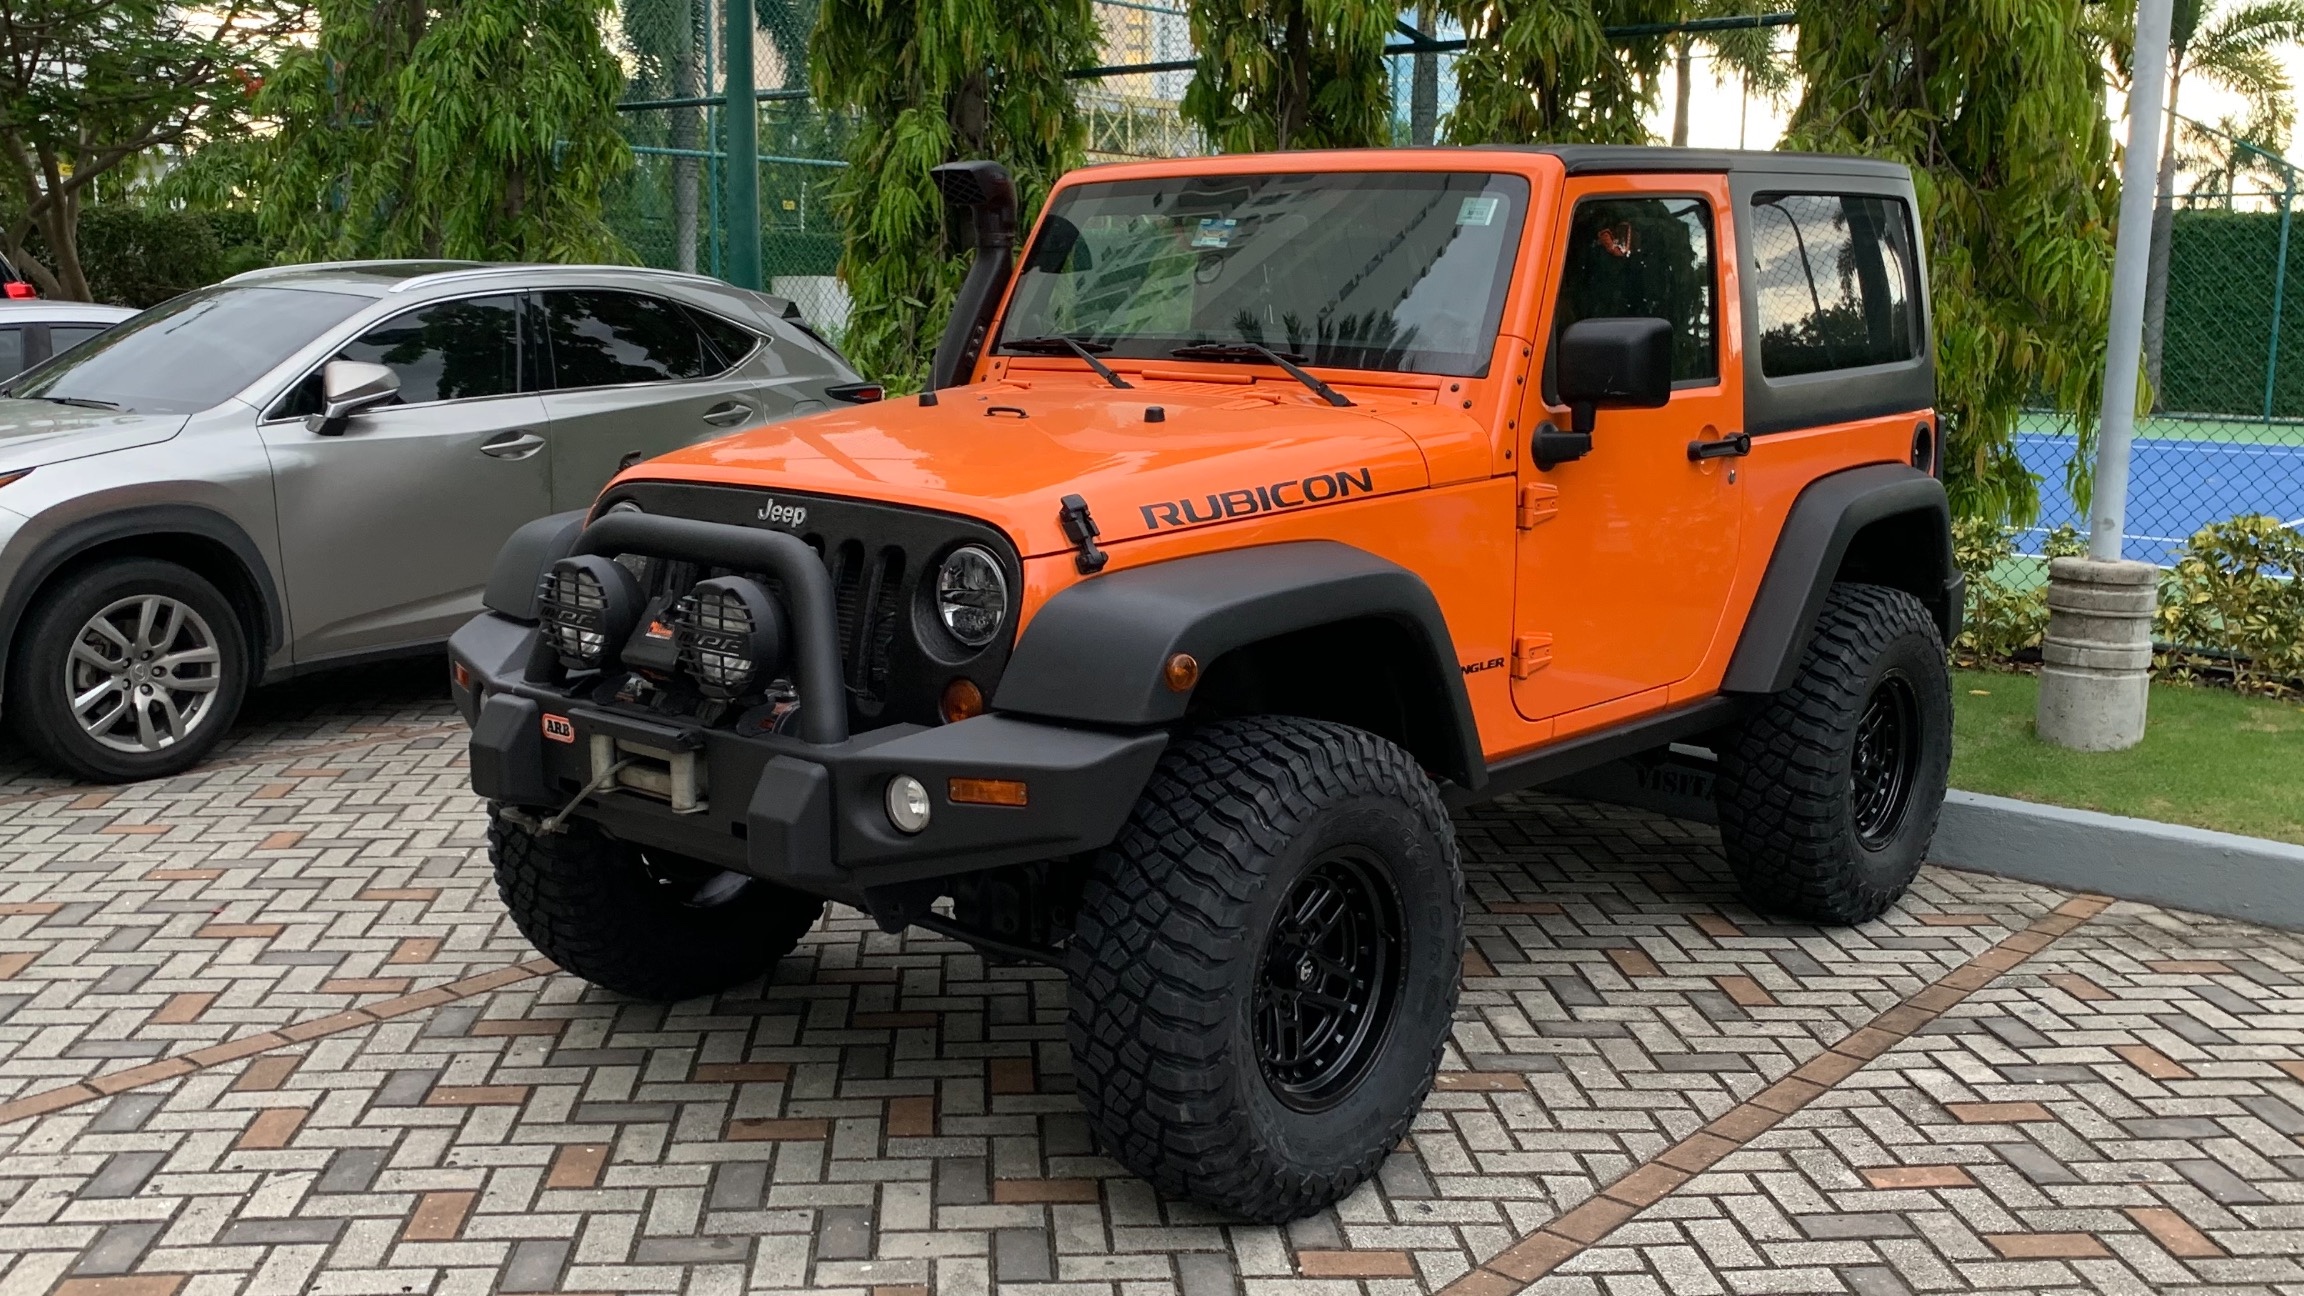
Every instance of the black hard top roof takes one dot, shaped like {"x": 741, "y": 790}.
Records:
{"x": 1618, "y": 159}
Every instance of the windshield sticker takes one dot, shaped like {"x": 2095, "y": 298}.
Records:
{"x": 1215, "y": 232}
{"x": 1478, "y": 211}
{"x": 1259, "y": 499}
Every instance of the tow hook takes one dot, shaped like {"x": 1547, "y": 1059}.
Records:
{"x": 1081, "y": 529}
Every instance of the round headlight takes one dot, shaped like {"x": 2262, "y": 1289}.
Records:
{"x": 587, "y": 607}
{"x": 729, "y": 634}
{"x": 972, "y": 595}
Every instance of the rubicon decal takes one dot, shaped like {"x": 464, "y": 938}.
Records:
{"x": 1249, "y": 501}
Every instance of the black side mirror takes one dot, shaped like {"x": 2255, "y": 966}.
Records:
{"x": 1622, "y": 362}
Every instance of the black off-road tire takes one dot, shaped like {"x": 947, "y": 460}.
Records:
{"x": 1181, "y": 927}
{"x": 623, "y": 918}
{"x": 39, "y": 707}
{"x": 1804, "y": 820}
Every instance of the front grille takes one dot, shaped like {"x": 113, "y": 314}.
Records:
{"x": 894, "y": 658}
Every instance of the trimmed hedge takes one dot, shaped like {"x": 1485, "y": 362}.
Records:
{"x": 142, "y": 256}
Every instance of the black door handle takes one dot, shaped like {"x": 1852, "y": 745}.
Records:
{"x": 1734, "y": 444}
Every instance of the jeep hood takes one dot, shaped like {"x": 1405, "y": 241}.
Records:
{"x": 1009, "y": 452}
{"x": 34, "y": 432}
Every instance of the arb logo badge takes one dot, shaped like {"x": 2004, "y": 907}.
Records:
{"x": 558, "y": 729}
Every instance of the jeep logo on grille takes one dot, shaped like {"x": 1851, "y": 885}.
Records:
{"x": 783, "y": 515}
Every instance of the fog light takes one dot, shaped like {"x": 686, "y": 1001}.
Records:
{"x": 730, "y": 635}
{"x": 907, "y": 803}
{"x": 587, "y": 606}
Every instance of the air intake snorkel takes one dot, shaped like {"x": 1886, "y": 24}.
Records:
{"x": 983, "y": 193}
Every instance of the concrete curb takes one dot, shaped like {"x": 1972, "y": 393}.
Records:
{"x": 2224, "y": 874}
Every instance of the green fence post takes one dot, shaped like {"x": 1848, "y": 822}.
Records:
{"x": 2279, "y": 287}
{"x": 743, "y": 175}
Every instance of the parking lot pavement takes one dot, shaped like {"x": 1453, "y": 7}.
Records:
{"x": 265, "y": 1028}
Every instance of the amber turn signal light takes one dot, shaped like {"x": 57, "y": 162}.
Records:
{"x": 961, "y": 700}
{"x": 460, "y": 673}
{"x": 1181, "y": 673}
{"x": 996, "y": 792}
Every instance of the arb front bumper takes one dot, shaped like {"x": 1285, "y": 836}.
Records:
{"x": 808, "y": 809}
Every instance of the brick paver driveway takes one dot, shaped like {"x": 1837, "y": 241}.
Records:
{"x": 265, "y": 1028}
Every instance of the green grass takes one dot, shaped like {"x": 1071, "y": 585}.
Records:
{"x": 2233, "y": 428}
{"x": 2210, "y": 758}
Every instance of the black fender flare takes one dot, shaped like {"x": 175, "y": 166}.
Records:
{"x": 77, "y": 538}
{"x": 1811, "y": 550}
{"x": 519, "y": 569}
{"x": 1094, "y": 653}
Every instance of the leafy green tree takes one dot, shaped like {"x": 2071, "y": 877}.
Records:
{"x": 91, "y": 89}
{"x": 1546, "y": 70}
{"x": 929, "y": 84}
{"x": 1749, "y": 52}
{"x": 458, "y": 128}
{"x": 1291, "y": 74}
{"x": 1999, "y": 109}
{"x": 2239, "y": 49}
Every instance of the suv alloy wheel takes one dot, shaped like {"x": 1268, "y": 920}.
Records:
{"x": 131, "y": 669}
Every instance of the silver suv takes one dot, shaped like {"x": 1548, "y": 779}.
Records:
{"x": 314, "y": 465}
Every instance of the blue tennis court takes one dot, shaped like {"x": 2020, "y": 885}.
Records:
{"x": 2176, "y": 486}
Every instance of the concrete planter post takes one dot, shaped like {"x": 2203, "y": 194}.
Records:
{"x": 2096, "y": 659}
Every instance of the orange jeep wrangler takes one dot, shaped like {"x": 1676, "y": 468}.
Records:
{"x": 1262, "y": 508}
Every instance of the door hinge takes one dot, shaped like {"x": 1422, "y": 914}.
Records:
{"x": 1538, "y": 504}
{"x": 1530, "y": 654}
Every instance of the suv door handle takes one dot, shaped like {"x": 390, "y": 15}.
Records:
{"x": 513, "y": 445}
{"x": 1730, "y": 446}
{"x": 728, "y": 414}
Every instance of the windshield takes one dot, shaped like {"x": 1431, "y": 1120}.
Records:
{"x": 189, "y": 352}
{"x": 1357, "y": 270}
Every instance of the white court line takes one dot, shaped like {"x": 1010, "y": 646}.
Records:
{"x": 2180, "y": 444}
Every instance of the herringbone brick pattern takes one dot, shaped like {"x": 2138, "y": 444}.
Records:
{"x": 265, "y": 1028}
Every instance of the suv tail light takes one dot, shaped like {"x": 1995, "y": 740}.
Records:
{"x": 17, "y": 289}
{"x": 862, "y": 393}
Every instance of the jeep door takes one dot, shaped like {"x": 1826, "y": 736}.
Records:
{"x": 1628, "y": 554}
{"x": 388, "y": 530}
{"x": 634, "y": 375}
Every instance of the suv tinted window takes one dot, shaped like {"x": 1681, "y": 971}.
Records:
{"x": 1834, "y": 279}
{"x": 456, "y": 350}
{"x": 602, "y": 339}
{"x": 63, "y": 337}
{"x": 1645, "y": 257}
{"x": 11, "y": 352}
{"x": 730, "y": 342}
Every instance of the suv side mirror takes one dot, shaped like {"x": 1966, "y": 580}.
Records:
{"x": 1622, "y": 362}
{"x": 346, "y": 388}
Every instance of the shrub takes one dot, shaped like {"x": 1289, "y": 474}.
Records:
{"x": 2007, "y": 604}
{"x": 142, "y": 256}
{"x": 2235, "y": 602}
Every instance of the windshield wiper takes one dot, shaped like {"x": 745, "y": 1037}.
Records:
{"x": 1259, "y": 351}
{"x": 84, "y": 402}
{"x": 1058, "y": 343}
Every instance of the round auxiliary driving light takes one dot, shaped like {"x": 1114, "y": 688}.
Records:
{"x": 587, "y": 607}
{"x": 972, "y": 595}
{"x": 907, "y": 803}
{"x": 730, "y": 635}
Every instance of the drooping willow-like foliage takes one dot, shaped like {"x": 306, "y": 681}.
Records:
{"x": 1291, "y": 74}
{"x": 459, "y": 128}
{"x": 1544, "y": 71}
{"x": 1999, "y": 108}
{"x": 927, "y": 84}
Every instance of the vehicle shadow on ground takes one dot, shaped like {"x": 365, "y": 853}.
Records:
{"x": 320, "y": 709}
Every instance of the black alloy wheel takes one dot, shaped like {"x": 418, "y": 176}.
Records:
{"x": 1882, "y": 763}
{"x": 1330, "y": 981}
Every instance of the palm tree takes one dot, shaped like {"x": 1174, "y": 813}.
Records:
{"x": 2237, "y": 48}
{"x": 1749, "y": 51}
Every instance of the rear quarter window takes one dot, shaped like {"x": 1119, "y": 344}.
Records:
{"x": 1835, "y": 282}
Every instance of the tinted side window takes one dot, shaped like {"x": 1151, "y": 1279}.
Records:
{"x": 457, "y": 350}
{"x": 602, "y": 339}
{"x": 11, "y": 352}
{"x": 63, "y": 337}
{"x": 1835, "y": 281}
{"x": 730, "y": 342}
{"x": 1646, "y": 257}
